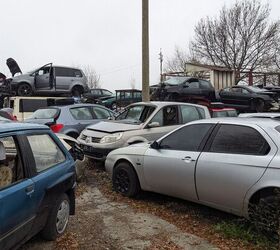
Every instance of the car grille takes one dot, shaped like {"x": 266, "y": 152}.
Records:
{"x": 95, "y": 139}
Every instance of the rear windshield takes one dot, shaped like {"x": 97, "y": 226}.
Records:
{"x": 45, "y": 113}
{"x": 225, "y": 113}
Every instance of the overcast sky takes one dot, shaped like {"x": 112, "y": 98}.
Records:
{"x": 105, "y": 34}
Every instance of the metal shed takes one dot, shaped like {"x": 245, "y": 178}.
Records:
{"x": 220, "y": 77}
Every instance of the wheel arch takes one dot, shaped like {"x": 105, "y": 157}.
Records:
{"x": 125, "y": 160}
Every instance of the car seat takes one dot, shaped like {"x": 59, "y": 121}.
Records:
{"x": 6, "y": 174}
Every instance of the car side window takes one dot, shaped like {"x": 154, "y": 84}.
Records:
{"x": 189, "y": 113}
{"x": 167, "y": 116}
{"x": 188, "y": 138}
{"x": 106, "y": 92}
{"x": 63, "y": 72}
{"x": 77, "y": 73}
{"x": 205, "y": 84}
{"x": 11, "y": 168}
{"x": 237, "y": 139}
{"x": 101, "y": 113}
{"x": 45, "y": 151}
{"x": 193, "y": 85}
{"x": 245, "y": 91}
{"x": 96, "y": 91}
{"x": 82, "y": 113}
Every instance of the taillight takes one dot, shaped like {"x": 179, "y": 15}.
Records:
{"x": 56, "y": 127}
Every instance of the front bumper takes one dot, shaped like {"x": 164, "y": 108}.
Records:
{"x": 99, "y": 154}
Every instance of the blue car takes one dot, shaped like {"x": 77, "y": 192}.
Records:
{"x": 37, "y": 184}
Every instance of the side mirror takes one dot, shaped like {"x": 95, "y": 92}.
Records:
{"x": 155, "y": 145}
{"x": 153, "y": 125}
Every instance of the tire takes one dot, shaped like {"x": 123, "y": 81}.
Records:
{"x": 24, "y": 89}
{"x": 58, "y": 219}
{"x": 77, "y": 91}
{"x": 259, "y": 105}
{"x": 265, "y": 214}
{"x": 125, "y": 180}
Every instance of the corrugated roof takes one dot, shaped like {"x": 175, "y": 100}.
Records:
{"x": 211, "y": 67}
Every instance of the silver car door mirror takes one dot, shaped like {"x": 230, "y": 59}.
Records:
{"x": 153, "y": 125}
{"x": 155, "y": 145}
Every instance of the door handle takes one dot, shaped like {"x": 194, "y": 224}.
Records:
{"x": 29, "y": 190}
{"x": 188, "y": 159}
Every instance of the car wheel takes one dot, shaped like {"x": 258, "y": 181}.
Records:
{"x": 24, "y": 89}
{"x": 259, "y": 105}
{"x": 265, "y": 214}
{"x": 58, "y": 219}
{"x": 77, "y": 91}
{"x": 125, "y": 180}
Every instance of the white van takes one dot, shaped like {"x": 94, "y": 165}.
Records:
{"x": 24, "y": 106}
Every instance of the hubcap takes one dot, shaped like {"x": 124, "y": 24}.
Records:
{"x": 62, "y": 216}
{"x": 122, "y": 181}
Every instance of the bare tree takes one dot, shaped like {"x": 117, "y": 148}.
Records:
{"x": 93, "y": 79}
{"x": 178, "y": 61}
{"x": 240, "y": 38}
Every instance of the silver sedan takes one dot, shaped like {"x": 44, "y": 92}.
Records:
{"x": 225, "y": 163}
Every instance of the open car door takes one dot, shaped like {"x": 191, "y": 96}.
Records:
{"x": 44, "y": 78}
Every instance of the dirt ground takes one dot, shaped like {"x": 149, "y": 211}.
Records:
{"x": 106, "y": 220}
{"x": 101, "y": 223}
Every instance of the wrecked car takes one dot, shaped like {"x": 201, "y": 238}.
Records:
{"x": 249, "y": 98}
{"x": 47, "y": 80}
{"x": 184, "y": 89}
{"x": 139, "y": 122}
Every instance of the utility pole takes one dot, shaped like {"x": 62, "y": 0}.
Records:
{"x": 161, "y": 61}
{"x": 145, "y": 52}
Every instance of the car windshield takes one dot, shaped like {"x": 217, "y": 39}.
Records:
{"x": 136, "y": 114}
{"x": 45, "y": 113}
{"x": 176, "y": 80}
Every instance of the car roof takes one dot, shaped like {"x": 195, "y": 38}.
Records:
{"x": 262, "y": 122}
{"x": 17, "y": 126}
{"x": 261, "y": 115}
{"x": 163, "y": 104}
{"x": 76, "y": 105}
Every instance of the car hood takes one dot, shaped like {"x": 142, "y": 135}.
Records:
{"x": 113, "y": 126}
{"x": 13, "y": 66}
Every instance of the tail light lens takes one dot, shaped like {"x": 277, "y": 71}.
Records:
{"x": 56, "y": 127}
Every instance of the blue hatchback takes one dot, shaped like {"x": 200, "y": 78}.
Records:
{"x": 37, "y": 184}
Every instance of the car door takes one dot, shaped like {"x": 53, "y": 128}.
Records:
{"x": 43, "y": 78}
{"x": 234, "y": 159}
{"x": 191, "y": 88}
{"x": 170, "y": 169}
{"x": 227, "y": 96}
{"x": 17, "y": 194}
{"x": 167, "y": 119}
{"x": 64, "y": 78}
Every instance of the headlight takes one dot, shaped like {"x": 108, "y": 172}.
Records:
{"x": 111, "y": 138}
